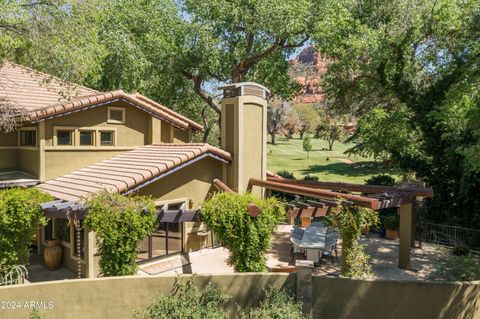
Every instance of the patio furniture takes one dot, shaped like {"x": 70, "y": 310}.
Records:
{"x": 314, "y": 241}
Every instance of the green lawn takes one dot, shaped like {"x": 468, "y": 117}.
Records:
{"x": 289, "y": 155}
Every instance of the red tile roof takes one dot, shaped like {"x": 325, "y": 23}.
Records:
{"x": 130, "y": 170}
{"x": 38, "y": 95}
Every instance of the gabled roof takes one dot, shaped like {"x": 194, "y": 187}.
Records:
{"x": 130, "y": 171}
{"x": 37, "y": 96}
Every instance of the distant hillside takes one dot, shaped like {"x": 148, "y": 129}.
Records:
{"x": 307, "y": 69}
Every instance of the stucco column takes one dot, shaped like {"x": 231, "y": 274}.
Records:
{"x": 41, "y": 151}
{"x": 304, "y": 270}
{"x": 90, "y": 254}
{"x": 405, "y": 236}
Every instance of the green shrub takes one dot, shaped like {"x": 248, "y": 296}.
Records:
{"x": 392, "y": 222}
{"x": 35, "y": 314}
{"x": 310, "y": 178}
{"x": 381, "y": 179}
{"x": 286, "y": 174}
{"x": 455, "y": 268}
{"x": 20, "y": 216}
{"x": 186, "y": 302}
{"x": 247, "y": 238}
{"x": 349, "y": 221}
{"x": 119, "y": 223}
{"x": 276, "y": 305}
{"x": 461, "y": 250}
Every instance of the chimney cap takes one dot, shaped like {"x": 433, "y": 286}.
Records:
{"x": 239, "y": 84}
{"x": 239, "y": 87}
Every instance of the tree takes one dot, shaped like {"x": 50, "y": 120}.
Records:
{"x": 330, "y": 128}
{"x": 307, "y": 144}
{"x": 292, "y": 123}
{"x": 275, "y": 119}
{"x": 176, "y": 51}
{"x": 308, "y": 118}
{"x": 419, "y": 61}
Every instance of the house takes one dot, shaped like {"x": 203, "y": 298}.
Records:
{"x": 72, "y": 141}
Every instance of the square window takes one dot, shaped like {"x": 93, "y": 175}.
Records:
{"x": 106, "y": 138}
{"x": 116, "y": 115}
{"x": 86, "y": 138}
{"x": 28, "y": 138}
{"x": 64, "y": 137}
{"x": 62, "y": 229}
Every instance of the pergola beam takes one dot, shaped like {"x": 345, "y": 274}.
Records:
{"x": 372, "y": 203}
{"x": 415, "y": 191}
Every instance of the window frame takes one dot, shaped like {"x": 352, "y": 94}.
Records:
{"x": 27, "y": 129}
{"x": 94, "y": 139}
{"x": 115, "y": 108}
{"x": 72, "y": 131}
{"x": 113, "y": 134}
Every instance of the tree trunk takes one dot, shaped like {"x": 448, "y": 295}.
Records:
{"x": 273, "y": 138}
{"x": 330, "y": 144}
{"x": 301, "y": 134}
{"x": 206, "y": 133}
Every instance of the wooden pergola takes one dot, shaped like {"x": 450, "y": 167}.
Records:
{"x": 326, "y": 195}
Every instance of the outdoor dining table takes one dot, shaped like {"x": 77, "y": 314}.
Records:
{"x": 314, "y": 240}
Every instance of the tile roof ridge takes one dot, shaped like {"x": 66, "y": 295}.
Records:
{"x": 43, "y": 74}
{"x": 144, "y": 98}
{"x": 206, "y": 146}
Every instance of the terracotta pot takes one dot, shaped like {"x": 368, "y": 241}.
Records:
{"x": 306, "y": 221}
{"x": 391, "y": 234}
{"x": 52, "y": 255}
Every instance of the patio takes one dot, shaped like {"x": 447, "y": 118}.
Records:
{"x": 383, "y": 253}
{"x": 38, "y": 273}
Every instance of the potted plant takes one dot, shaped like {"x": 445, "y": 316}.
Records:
{"x": 392, "y": 223}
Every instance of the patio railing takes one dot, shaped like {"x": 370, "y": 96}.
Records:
{"x": 448, "y": 235}
{"x": 16, "y": 275}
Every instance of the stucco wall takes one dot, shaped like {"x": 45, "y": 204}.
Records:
{"x": 28, "y": 161}
{"x": 62, "y": 162}
{"x": 333, "y": 297}
{"x": 8, "y": 159}
{"x": 133, "y": 133}
{"x": 114, "y": 298}
{"x": 8, "y": 139}
{"x": 347, "y": 298}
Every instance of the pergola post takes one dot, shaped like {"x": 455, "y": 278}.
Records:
{"x": 405, "y": 236}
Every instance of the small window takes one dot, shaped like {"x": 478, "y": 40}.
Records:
{"x": 64, "y": 137}
{"x": 116, "y": 115}
{"x": 28, "y": 138}
{"x": 106, "y": 138}
{"x": 86, "y": 138}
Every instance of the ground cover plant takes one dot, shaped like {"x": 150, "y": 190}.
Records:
{"x": 188, "y": 302}
{"x": 247, "y": 238}
{"x": 20, "y": 216}
{"x": 119, "y": 223}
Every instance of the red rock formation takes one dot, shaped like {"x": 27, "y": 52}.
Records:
{"x": 307, "y": 69}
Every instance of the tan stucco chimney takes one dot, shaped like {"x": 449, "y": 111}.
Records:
{"x": 244, "y": 133}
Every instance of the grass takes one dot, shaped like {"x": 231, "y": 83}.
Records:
{"x": 289, "y": 155}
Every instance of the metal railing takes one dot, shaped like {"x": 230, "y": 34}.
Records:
{"x": 448, "y": 235}
{"x": 17, "y": 275}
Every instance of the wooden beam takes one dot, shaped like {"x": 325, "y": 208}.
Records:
{"x": 417, "y": 191}
{"x": 221, "y": 186}
{"x": 372, "y": 203}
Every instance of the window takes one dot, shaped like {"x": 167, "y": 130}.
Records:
{"x": 86, "y": 138}
{"x": 106, "y": 138}
{"x": 116, "y": 115}
{"x": 64, "y": 137}
{"x": 28, "y": 138}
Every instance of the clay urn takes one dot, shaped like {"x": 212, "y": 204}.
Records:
{"x": 52, "y": 255}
